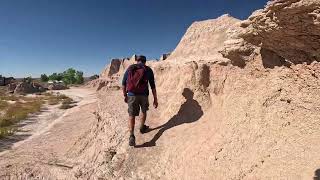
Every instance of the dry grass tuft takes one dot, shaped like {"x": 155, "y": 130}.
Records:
{"x": 13, "y": 113}
{"x": 67, "y": 103}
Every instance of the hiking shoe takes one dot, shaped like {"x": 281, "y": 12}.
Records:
{"x": 132, "y": 140}
{"x": 144, "y": 129}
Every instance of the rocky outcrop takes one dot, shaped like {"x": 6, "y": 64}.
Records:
{"x": 112, "y": 68}
{"x": 236, "y": 49}
{"x": 111, "y": 76}
{"x": 164, "y": 56}
{"x": 12, "y": 87}
{"x": 105, "y": 84}
{"x": 117, "y": 66}
{"x": 57, "y": 86}
{"x": 216, "y": 120}
{"x": 28, "y": 88}
{"x": 289, "y": 28}
{"x": 203, "y": 40}
{"x": 5, "y": 80}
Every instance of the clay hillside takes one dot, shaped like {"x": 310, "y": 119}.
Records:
{"x": 238, "y": 100}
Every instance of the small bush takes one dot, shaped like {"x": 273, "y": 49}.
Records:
{"x": 24, "y": 106}
{"x": 67, "y": 101}
{"x": 44, "y": 78}
{"x": 62, "y": 96}
{"x": 2, "y": 91}
{"x": 6, "y": 131}
{"x": 9, "y": 98}
{"x": 53, "y": 101}
{"x": 19, "y": 111}
{"x": 65, "y": 106}
{"x": 3, "y": 105}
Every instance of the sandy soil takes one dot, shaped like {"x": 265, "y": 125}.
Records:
{"x": 43, "y": 142}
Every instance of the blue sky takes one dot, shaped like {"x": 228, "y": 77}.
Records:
{"x": 46, "y": 36}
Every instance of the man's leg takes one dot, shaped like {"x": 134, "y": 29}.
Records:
{"x": 143, "y": 119}
{"x": 133, "y": 110}
{"x": 144, "y": 108}
{"x": 131, "y": 124}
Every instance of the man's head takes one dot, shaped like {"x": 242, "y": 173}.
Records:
{"x": 141, "y": 59}
{"x": 187, "y": 93}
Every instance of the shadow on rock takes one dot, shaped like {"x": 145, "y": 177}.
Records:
{"x": 317, "y": 175}
{"x": 8, "y": 142}
{"x": 189, "y": 112}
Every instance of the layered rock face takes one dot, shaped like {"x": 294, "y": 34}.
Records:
{"x": 203, "y": 40}
{"x": 56, "y": 86}
{"x": 236, "y": 99}
{"x": 164, "y": 56}
{"x": 291, "y": 29}
{"x": 28, "y": 88}
{"x": 111, "y": 76}
{"x": 117, "y": 67}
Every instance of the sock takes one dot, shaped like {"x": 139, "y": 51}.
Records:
{"x": 131, "y": 132}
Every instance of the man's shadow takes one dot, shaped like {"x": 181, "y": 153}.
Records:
{"x": 190, "y": 111}
{"x": 317, "y": 175}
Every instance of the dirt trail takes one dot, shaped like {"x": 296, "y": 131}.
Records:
{"x": 110, "y": 157}
{"x": 45, "y": 153}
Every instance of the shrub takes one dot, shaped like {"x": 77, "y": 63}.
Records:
{"x": 44, "y": 78}
{"x": 24, "y": 106}
{"x": 79, "y": 77}
{"x": 69, "y": 76}
{"x": 3, "y": 105}
{"x": 6, "y": 131}
{"x": 67, "y": 103}
{"x": 65, "y": 106}
{"x": 94, "y": 77}
{"x": 9, "y": 98}
{"x": 28, "y": 80}
{"x": 19, "y": 111}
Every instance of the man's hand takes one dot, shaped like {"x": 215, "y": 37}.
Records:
{"x": 155, "y": 103}
{"x": 124, "y": 90}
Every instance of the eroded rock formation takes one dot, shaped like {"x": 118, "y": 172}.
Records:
{"x": 237, "y": 100}
{"x": 28, "y": 88}
{"x": 260, "y": 103}
{"x": 164, "y": 56}
{"x": 56, "y": 86}
{"x": 203, "y": 40}
{"x": 290, "y": 28}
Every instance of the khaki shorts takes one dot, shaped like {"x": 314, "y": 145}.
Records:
{"x": 134, "y": 104}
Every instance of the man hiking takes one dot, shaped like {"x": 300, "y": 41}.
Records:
{"x": 136, "y": 91}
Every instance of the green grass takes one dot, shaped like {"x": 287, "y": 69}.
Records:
{"x": 65, "y": 106}
{"x": 6, "y": 131}
{"x": 13, "y": 113}
{"x": 2, "y": 90}
{"x": 55, "y": 99}
{"x": 3, "y": 105}
{"x": 9, "y": 98}
{"x": 19, "y": 111}
{"x": 67, "y": 103}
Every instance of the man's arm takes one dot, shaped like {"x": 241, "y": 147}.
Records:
{"x": 155, "y": 98}
{"x": 124, "y": 86}
{"x": 153, "y": 87}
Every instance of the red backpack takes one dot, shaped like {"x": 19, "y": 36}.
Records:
{"x": 137, "y": 81}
